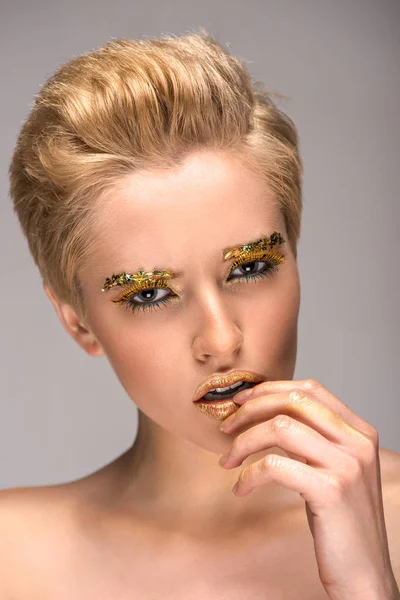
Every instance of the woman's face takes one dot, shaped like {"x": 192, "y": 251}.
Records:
{"x": 183, "y": 220}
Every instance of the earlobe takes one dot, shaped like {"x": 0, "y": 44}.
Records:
{"x": 74, "y": 326}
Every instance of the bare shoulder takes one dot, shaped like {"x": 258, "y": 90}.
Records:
{"x": 35, "y": 527}
{"x": 43, "y": 528}
{"x": 35, "y": 508}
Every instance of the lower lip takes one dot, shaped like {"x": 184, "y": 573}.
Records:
{"x": 218, "y": 409}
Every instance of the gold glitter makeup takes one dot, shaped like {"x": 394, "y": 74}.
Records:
{"x": 146, "y": 285}
{"x": 260, "y": 250}
{"x": 141, "y": 281}
{"x": 260, "y": 245}
{"x": 140, "y": 277}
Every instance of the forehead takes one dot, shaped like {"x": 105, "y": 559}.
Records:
{"x": 209, "y": 201}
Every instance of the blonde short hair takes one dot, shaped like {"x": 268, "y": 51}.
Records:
{"x": 138, "y": 104}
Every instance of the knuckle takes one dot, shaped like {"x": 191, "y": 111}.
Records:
{"x": 282, "y": 422}
{"x": 335, "y": 485}
{"x": 370, "y": 451}
{"x": 373, "y": 436}
{"x": 271, "y": 462}
{"x": 296, "y": 395}
{"x": 339, "y": 484}
{"x": 312, "y": 384}
{"x": 299, "y": 399}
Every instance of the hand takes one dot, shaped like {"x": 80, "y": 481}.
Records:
{"x": 334, "y": 465}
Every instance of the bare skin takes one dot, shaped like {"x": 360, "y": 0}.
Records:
{"x": 78, "y": 534}
{"x": 161, "y": 521}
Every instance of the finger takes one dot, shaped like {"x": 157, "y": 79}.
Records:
{"x": 291, "y": 436}
{"x": 299, "y": 405}
{"x": 314, "y": 387}
{"x": 299, "y": 477}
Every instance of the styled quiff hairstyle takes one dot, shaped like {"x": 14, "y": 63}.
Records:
{"x": 139, "y": 104}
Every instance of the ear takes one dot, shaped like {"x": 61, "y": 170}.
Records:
{"x": 74, "y": 326}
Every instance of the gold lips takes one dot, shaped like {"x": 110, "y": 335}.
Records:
{"x": 226, "y": 380}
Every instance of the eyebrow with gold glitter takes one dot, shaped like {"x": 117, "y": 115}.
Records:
{"x": 259, "y": 246}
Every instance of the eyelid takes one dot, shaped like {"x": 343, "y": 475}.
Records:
{"x": 251, "y": 256}
{"x": 135, "y": 288}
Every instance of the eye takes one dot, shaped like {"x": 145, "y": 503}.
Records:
{"x": 255, "y": 269}
{"x": 146, "y": 295}
{"x": 148, "y": 299}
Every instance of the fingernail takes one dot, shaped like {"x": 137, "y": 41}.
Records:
{"x": 244, "y": 394}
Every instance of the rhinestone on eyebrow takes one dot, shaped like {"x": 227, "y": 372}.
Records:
{"x": 139, "y": 277}
{"x": 259, "y": 245}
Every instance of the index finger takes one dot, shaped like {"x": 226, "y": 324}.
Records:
{"x": 313, "y": 387}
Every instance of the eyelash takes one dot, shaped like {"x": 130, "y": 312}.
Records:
{"x": 272, "y": 267}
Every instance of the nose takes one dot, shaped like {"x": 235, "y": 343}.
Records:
{"x": 216, "y": 334}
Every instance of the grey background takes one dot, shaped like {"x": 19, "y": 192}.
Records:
{"x": 64, "y": 414}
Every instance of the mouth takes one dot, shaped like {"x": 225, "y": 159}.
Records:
{"x": 223, "y": 387}
{"x": 225, "y": 393}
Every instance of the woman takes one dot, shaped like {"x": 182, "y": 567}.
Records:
{"x": 160, "y": 194}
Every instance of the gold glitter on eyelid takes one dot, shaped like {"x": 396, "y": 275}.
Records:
{"x": 258, "y": 255}
{"x": 136, "y": 288}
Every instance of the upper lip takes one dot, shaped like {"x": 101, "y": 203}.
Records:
{"x": 223, "y": 380}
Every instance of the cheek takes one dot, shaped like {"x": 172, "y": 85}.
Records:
{"x": 273, "y": 324}
{"x": 137, "y": 354}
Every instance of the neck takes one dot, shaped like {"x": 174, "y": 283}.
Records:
{"x": 163, "y": 474}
